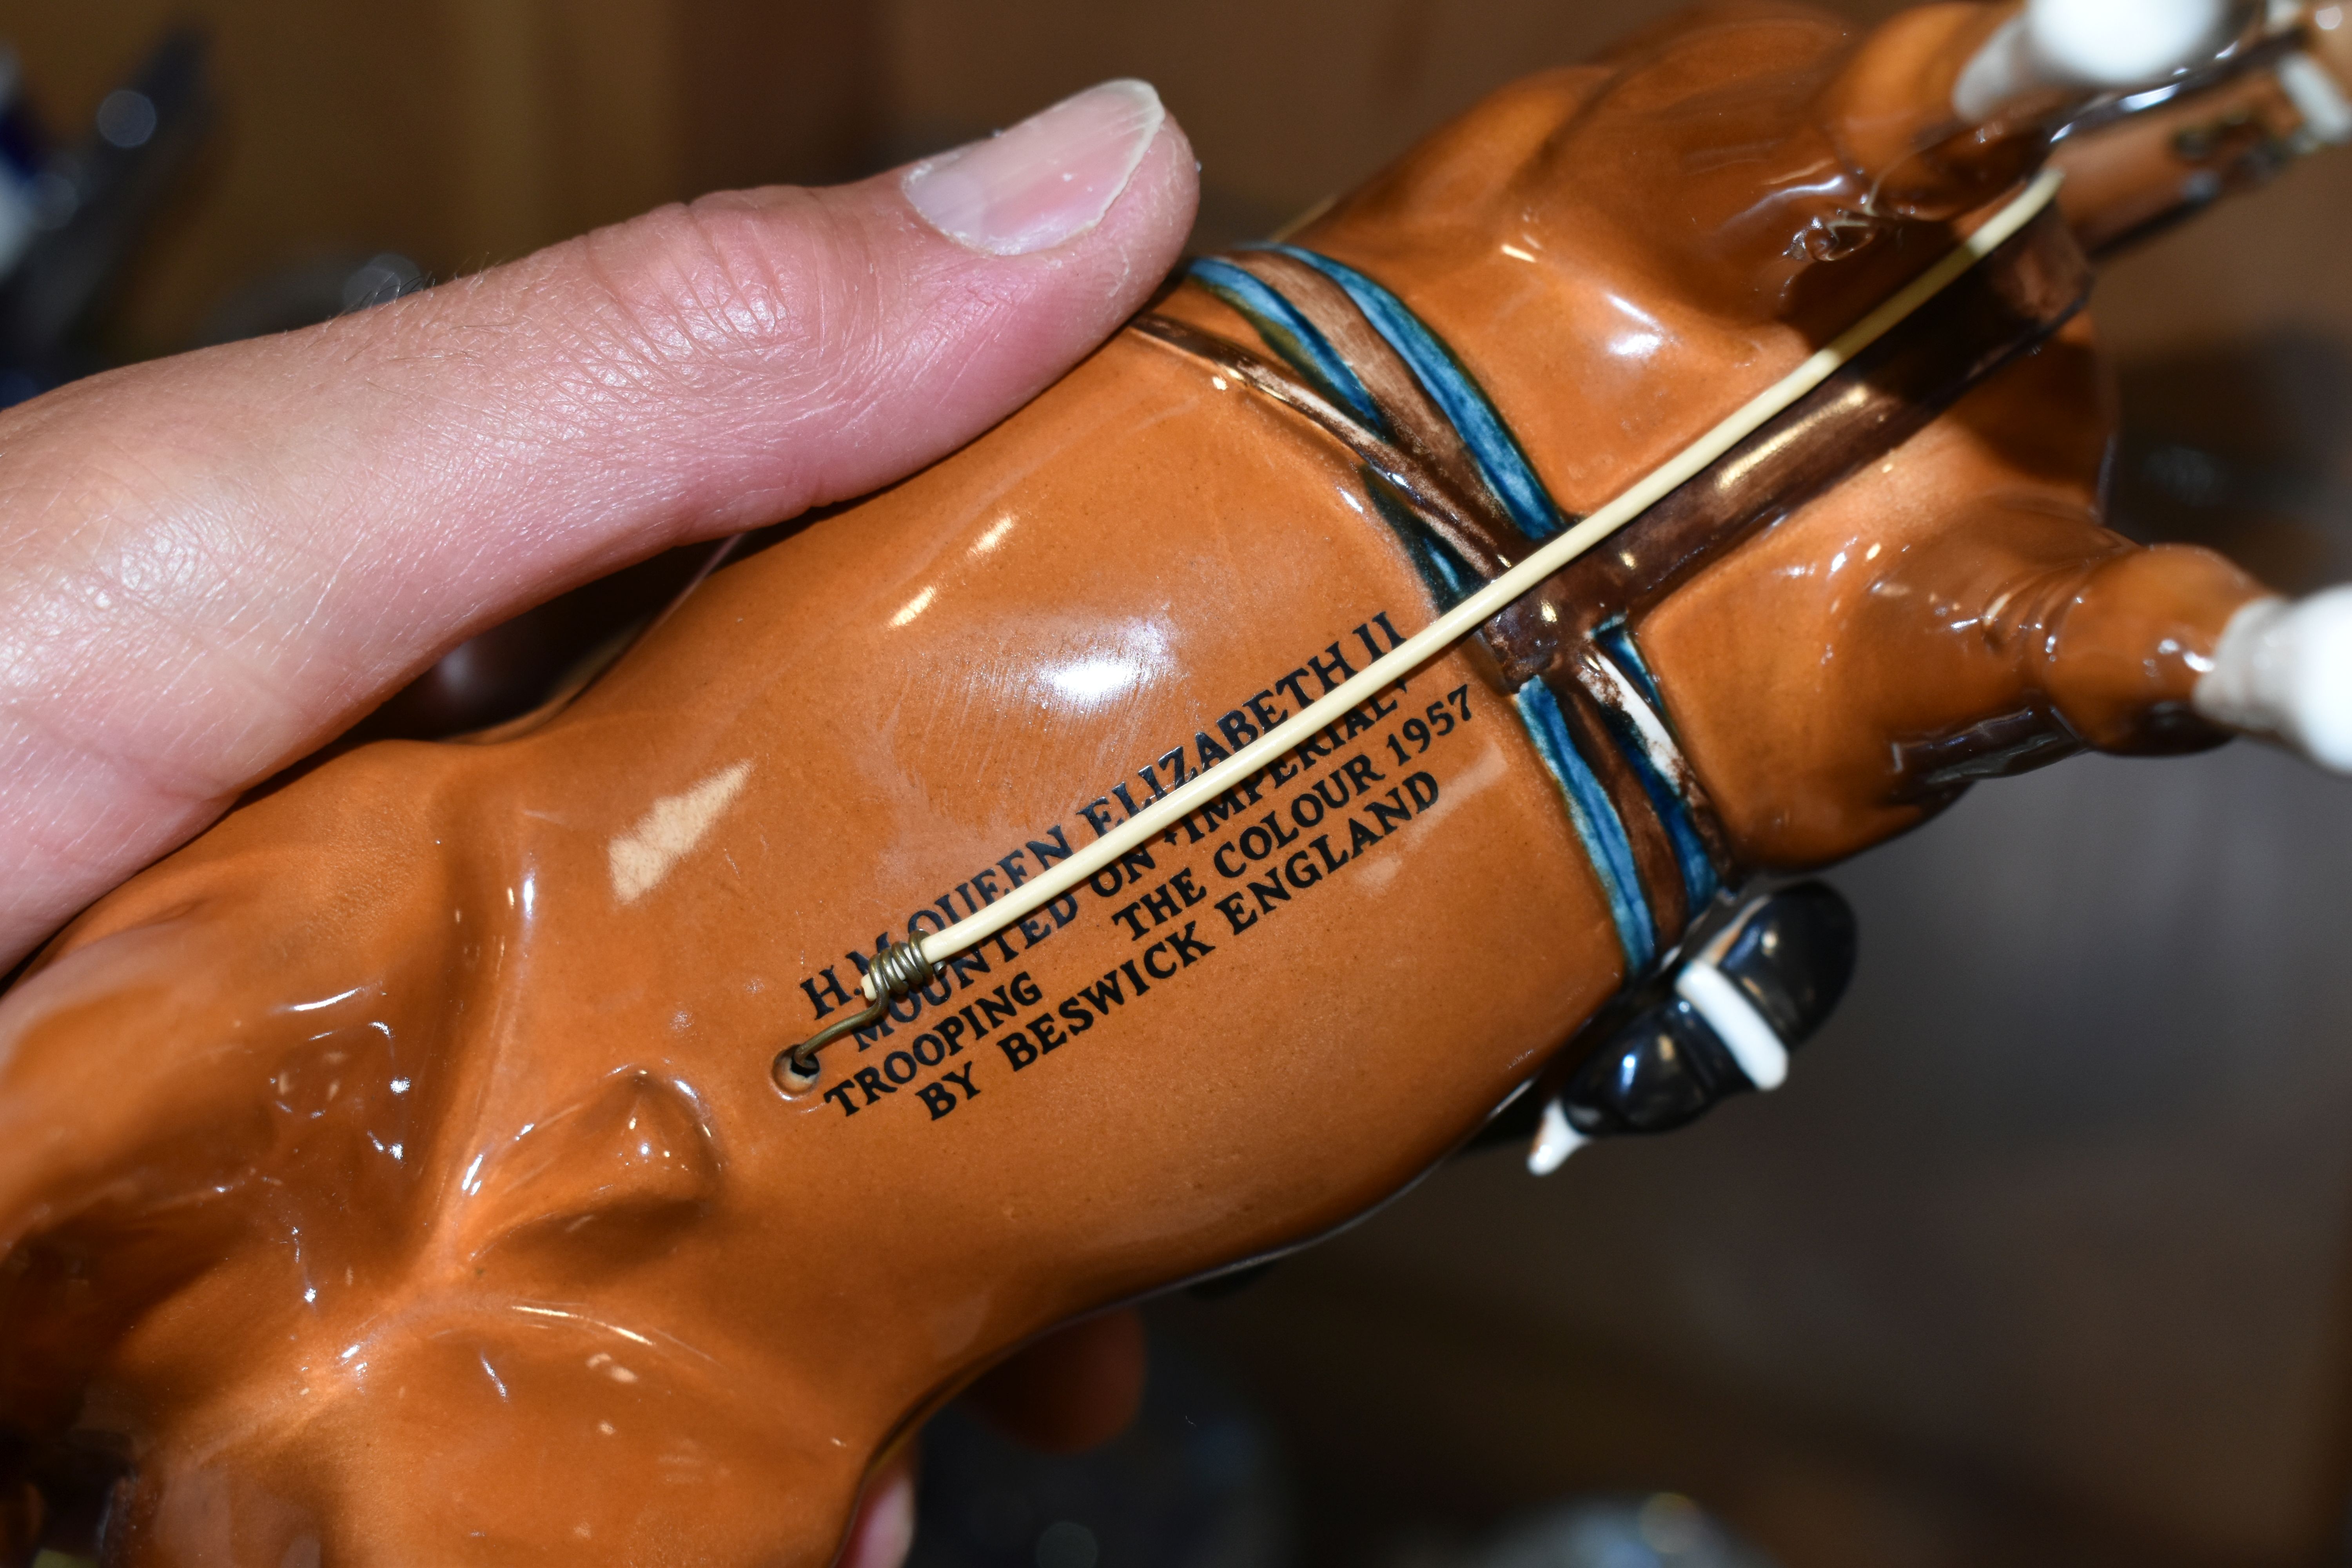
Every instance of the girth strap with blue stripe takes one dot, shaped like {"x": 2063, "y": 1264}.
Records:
{"x": 1443, "y": 468}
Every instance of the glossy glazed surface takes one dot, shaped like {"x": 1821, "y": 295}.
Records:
{"x": 397, "y": 1169}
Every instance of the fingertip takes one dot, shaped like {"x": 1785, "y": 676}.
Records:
{"x": 372, "y": 491}
{"x": 1045, "y": 182}
{"x": 883, "y": 1531}
{"x": 1078, "y": 1386}
{"x": 1114, "y": 200}
{"x": 937, "y": 339}
{"x": 1166, "y": 197}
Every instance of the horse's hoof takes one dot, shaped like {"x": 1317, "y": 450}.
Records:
{"x": 2086, "y": 45}
{"x": 1737, "y": 1007}
{"x": 2284, "y": 670}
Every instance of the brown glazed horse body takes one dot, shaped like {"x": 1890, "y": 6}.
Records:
{"x": 396, "y": 1174}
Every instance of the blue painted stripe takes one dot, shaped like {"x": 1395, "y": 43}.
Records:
{"x": 1290, "y": 334}
{"x": 1690, "y": 852}
{"x": 1699, "y": 883}
{"x": 1447, "y": 570}
{"x": 1596, "y": 824}
{"x": 1508, "y": 472}
{"x": 1456, "y": 393}
{"x": 1616, "y": 640}
{"x": 1447, "y": 578}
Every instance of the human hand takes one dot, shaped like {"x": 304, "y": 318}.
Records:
{"x": 211, "y": 565}
{"x": 1076, "y": 1387}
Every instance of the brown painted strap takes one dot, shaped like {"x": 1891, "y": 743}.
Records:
{"x": 1654, "y": 852}
{"x": 1487, "y": 542}
{"x": 2004, "y": 307}
{"x": 1418, "y": 424}
{"x": 1604, "y": 681}
{"x": 1471, "y": 538}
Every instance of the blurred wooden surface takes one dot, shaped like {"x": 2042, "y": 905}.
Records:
{"x": 458, "y": 132}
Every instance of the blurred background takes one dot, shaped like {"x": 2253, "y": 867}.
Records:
{"x": 2042, "y": 1256}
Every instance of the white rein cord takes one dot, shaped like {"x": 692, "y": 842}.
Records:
{"x": 1164, "y": 814}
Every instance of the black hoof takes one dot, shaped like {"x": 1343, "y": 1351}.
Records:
{"x": 1788, "y": 956}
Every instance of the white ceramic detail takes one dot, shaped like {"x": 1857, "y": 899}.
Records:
{"x": 1736, "y": 1021}
{"x": 1556, "y": 1140}
{"x": 2095, "y": 44}
{"x": 2285, "y": 669}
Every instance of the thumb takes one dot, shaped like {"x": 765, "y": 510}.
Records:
{"x": 209, "y": 564}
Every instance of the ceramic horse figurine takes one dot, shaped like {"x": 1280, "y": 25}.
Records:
{"x": 397, "y": 1173}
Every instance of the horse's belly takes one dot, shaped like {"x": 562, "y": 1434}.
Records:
{"x": 583, "y": 948}
{"x": 1239, "y": 1037}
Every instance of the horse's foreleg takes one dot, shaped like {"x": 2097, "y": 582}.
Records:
{"x": 2283, "y": 670}
{"x": 2123, "y": 651}
{"x": 2160, "y": 646}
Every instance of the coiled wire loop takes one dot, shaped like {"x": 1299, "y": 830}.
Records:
{"x": 897, "y": 969}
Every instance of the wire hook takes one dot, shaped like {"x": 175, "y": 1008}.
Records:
{"x": 897, "y": 968}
